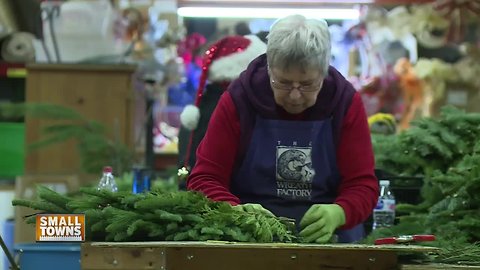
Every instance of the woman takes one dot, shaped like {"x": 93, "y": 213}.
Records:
{"x": 291, "y": 135}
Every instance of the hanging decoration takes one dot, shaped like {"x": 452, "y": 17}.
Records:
{"x": 460, "y": 14}
{"x": 412, "y": 92}
{"x": 434, "y": 24}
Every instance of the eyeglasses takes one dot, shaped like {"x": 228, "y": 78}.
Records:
{"x": 307, "y": 88}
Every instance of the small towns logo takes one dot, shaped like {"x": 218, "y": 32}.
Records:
{"x": 60, "y": 227}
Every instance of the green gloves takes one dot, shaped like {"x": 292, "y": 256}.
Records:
{"x": 253, "y": 208}
{"x": 320, "y": 221}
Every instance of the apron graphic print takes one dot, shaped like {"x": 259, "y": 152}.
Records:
{"x": 294, "y": 172}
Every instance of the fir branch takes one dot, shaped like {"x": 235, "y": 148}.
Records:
{"x": 51, "y": 196}
{"x": 83, "y": 204}
{"x": 40, "y": 205}
{"x": 31, "y": 219}
{"x": 430, "y": 145}
{"x": 119, "y": 220}
{"x": 39, "y": 110}
{"x": 112, "y": 197}
{"x": 93, "y": 144}
{"x": 162, "y": 216}
{"x": 403, "y": 208}
{"x": 459, "y": 254}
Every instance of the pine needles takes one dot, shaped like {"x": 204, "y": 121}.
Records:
{"x": 429, "y": 145}
{"x": 464, "y": 255}
{"x": 160, "y": 216}
{"x": 446, "y": 152}
{"x": 94, "y": 146}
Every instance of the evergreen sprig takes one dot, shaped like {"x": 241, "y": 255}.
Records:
{"x": 160, "y": 216}
{"x": 430, "y": 144}
{"x": 450, "y": 210}
{"x": 446, "y": 152}
{"x": 94, "y": 143}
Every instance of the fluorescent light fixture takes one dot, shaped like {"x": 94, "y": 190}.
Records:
{"x": 269, "y": 13}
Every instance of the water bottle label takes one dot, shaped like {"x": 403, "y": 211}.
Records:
{"x": 389, "y": 205}
{"x": 385, "y": 205}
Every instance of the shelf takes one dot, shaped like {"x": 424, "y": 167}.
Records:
{"x": 129, "y": 68}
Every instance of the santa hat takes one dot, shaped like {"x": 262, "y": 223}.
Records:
{"x": 223, "y": 61}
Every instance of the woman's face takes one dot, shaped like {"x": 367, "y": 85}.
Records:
{"x": 295, "y": 89}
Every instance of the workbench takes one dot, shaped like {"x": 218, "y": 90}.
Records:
{"x": 236, "y": 256}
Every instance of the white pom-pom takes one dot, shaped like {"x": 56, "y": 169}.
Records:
{"x": 190, "y": 117}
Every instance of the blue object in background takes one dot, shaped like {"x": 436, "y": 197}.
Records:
{"x": 141, "y": 180}
{"x": 184, "y": 93}
{"x": 7, "y": 231}
{"x": 137, "y": 176}
{"x": 48, "y": 256}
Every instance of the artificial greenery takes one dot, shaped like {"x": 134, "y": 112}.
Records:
{"x": 160, "y": 216}
{"x": 93, "y": 143}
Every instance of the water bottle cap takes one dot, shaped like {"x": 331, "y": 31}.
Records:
{"x": 384, "y": 182}
{"x": 107, "y": 169}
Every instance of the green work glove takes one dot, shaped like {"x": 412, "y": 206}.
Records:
{"x": 253, "y": 208}
{"x": 320, "y": 221}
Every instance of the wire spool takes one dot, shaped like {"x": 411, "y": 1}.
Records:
{"x": 430, "y": 40}
{"x": 17, "y": 47}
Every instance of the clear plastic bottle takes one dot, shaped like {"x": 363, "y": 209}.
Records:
{"x": 384, "y": 212}
{"x": 107, "y": 181}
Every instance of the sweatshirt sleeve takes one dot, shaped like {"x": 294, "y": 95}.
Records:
{"x": 216, "y": 154}
{"x": 358, "y": 191}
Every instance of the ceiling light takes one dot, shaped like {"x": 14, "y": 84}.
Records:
{"x": 269, "y": 13}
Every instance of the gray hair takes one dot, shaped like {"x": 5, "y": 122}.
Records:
{"x": 299, "y": 42}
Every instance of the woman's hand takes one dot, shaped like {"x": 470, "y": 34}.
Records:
{"x": 253, "y": 208}
{"x": 320, "y": 221}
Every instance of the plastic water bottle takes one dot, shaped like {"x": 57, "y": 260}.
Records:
{"x": 107, "y": 181}
{"x": 384, "y": 212}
